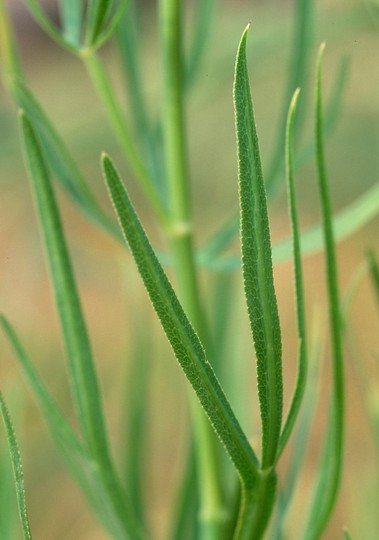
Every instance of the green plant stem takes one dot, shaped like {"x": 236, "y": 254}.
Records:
{"x": 175, "y": 148}
{"x": 116, "y": 116}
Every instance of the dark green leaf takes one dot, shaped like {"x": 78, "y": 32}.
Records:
{"x": 184, "y": 341}
{"x": 257, "y": 263}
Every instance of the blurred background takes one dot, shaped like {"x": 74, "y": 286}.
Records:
{"x": 114, "y": 300}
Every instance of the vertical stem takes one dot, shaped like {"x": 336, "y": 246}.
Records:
{"x": 175, "y": 148}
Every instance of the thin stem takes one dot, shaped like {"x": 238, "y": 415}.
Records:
{"x": 116, "y": 116}
{"x": 175, "y": 148}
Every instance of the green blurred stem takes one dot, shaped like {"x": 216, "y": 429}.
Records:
{"x": 175, "y": 148}
{"x": 116, "y": 116}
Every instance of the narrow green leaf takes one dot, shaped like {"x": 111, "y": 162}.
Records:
{"x": 374, "y": 272}
{"x": 297, "y": 77}
{"x": 345, "y": 223}
{"x": 330, "y": 475}
{"x": 282, "y": 250}
{"x": 97, "y": 13}
{"x": 301, "y": 438}
{"x": 17, "y": 469}
{"x": 58, "y": 425}
{"x": 84, "y": 384}
{"x": 204, "y": 17}
{"x": 51, "y": 30}
{"x": 184, "y": 522}
{"x": 299, "y": 286}
{"x": 135, "y": 417}
{"x": 71, "y": 12}
{"x": 184, "y": 341}
{"x": 110, "y": 28}
{"x": 71, "y": 448}
{"x": 60, "y": 159}
{"x": 257, "y": 263}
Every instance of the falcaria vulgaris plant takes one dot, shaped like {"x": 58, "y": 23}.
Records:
{"x": 157, "y": 157}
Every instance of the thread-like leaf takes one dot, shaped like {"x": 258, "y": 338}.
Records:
{"x": 184, "y": 341}
{"x": 331, "y": 465}
{"x": 83, "y": 379}
{"x": 299, "y": 286}
{"x": 257, "y": 263}
{"x": 17, "y": 469}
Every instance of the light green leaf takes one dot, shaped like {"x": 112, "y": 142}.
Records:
{"x": 71, "y": 448}
{"x": 204, "y": 16}
{"x": 331, "y": 466}
{"x": 50, "y": 28}
{"x": 257, "y": 263}
{"x": 84, "y": 384}
{"x": 299, "y": 286}
{"x": 71, "y": 18}
{"x": 184, "y": 341}
{"x": 17, "y": 469}
{"x": 60, "y": 159}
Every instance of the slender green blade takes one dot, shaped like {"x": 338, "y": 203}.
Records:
{"x": 60, "y": 159}
{"x": 17, "y": 469}
{"x": 97, "y": 13}
{"x": 68, "y": 444}
{"x": 357, "y": 214}
{"x": 345, "y": 223}
{"x": 299, "y": 285}
{"x": 204, "y": 17}
{"x": 58, "y": 425}
{"x": 83, "y": 379}
{"x": 257, "y": 263}
{"x": 331, "y": 468}
{"x": 297, "y": 77}
{"x": 110, "y": 28}
{"x": 51, "y": 30}
{"x": 374, "y": 272}
{"x": 71, "y": 19}
{"x": 184, "y": 341}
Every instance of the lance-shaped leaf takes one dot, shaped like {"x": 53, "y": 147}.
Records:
{"x": 257, "y": 263}
{"x": 17, "y": 469}
{"x": 83, "y": 378}
{"x": 183, "y": 339}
